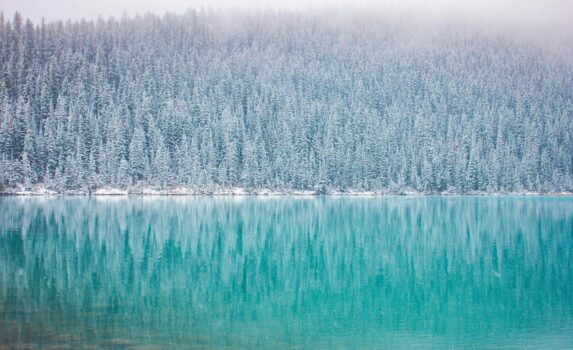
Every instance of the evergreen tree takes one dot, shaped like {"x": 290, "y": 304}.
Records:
{"x": 181, "y": 101}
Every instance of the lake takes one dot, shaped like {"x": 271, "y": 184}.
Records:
{"x": 286, "y": 272}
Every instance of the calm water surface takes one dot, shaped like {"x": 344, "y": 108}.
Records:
{"x": 286, "y": 273}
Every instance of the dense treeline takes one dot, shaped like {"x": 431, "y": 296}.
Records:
{"x": 281, "y": 101}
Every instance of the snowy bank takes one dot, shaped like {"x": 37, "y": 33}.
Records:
{"x": 41, "y": 190}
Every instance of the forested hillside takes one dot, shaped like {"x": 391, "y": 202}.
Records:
{"x": 280, "y": 101}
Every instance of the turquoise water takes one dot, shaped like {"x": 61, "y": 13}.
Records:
{"x": 286, "y": 273}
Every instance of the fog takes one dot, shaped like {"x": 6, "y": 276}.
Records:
{"x": 544, "y": 23}
{"x": 552, "y": 13}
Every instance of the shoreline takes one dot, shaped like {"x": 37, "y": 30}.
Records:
{"x": 182, "y": 191}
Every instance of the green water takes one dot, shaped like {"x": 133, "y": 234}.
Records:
{"x": 286, "y": 273}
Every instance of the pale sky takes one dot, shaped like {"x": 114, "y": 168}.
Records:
{"x": 547, "y": 14}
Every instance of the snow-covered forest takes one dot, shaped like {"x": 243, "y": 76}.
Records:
{"x": 280, "y": 101}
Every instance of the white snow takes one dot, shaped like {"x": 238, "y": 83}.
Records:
{"x": 37, "y": 190}
{"x": 40, "y": 190}
{"x": 303, "y": 193}
{"x": 109, "y": 191}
